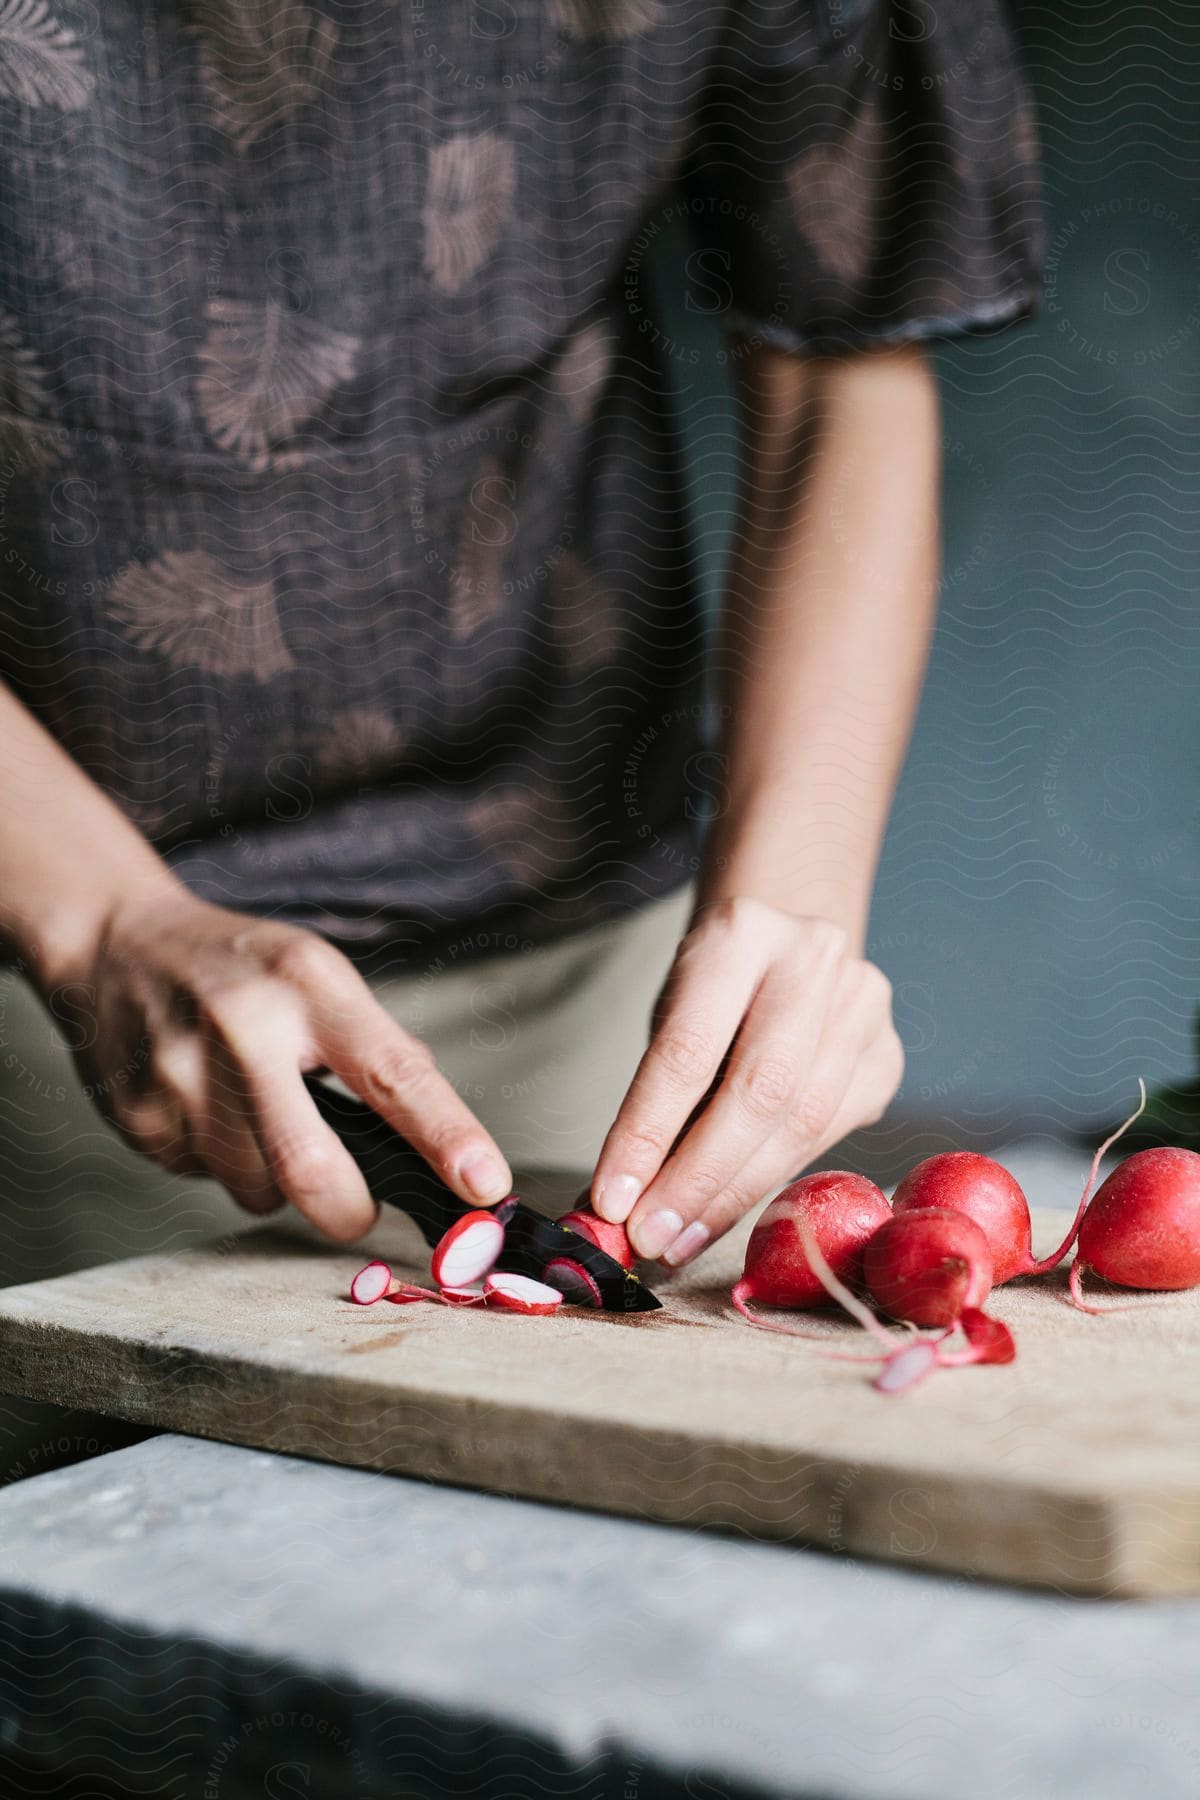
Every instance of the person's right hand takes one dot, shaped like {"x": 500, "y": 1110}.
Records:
{"x": 195, "y": 1025}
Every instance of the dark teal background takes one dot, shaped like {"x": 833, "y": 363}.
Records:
{"x": 1038, "y": 907}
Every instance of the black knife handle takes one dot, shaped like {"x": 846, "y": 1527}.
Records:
{"x": 392, "y": 1169}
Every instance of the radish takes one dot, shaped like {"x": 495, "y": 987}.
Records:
{"x": 927, "y": 1264}
{"x": 1143, "y": 1228}
{"x": 963, "y": 1181}
{"x": 843, "y": 1211}
{"x": 520, "y": 1293}
{"x": 576, "y": 1285}
{"x": 603, "y": 1233}
{"x": 402, "y": 1292}
{"x": 468, "y": 1250}
{"x": 371, "y": 1283}
{"x": 907, "y": 1363}
{"x": 462, "y": 1296}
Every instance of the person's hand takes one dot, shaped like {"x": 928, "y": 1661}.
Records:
{"x": 193, "y": 1026}
{"x": 771, "y": 1041}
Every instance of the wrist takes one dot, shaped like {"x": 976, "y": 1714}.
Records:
{"x": 58, "y": 936}
{"x": 811, "y": 863}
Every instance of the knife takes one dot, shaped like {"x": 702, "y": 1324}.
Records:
{"x": 397, "y": 1175}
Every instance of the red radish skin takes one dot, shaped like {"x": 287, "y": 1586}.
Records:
{"x": 402, "y": 1293}
{"x": 962, "y": 1181}
{"x": 965, "y": 1182}
{"x": 574, "y": 1282}
{"x": 906, "y": 1364}
{"x": 613, "y": 1239}
{"x": 468, "y": 1250}
{"x": 1143, "y": 1228}
{"x": 520, "y": 1293}
{"x": 926, "y": 1265}
{"x": 463, "y": 1296}
{"x": 372, "y": 1283}
{"x": 843, "y": 1210}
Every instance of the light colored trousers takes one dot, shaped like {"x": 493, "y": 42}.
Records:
{"x": 542, "y": 1043}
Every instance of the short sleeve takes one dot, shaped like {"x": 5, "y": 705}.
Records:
{"x": 864, "y": 171}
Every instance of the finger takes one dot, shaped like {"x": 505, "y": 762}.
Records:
{"x": 769, "y": 1066}
{"x": 308, "y": 1164}
{"x": 705, "y": 1001}
{"x": 776, "y": 1165}
{"x": 223, "y": 1133}
{"x": 154, "y": 1117}
{"x": 154, "y": 1125}
{"x": 296, "y": 1158}
{"x": 397, "y": 1076}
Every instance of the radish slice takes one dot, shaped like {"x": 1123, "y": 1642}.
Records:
{"x": 904, "y": 1368}
{"x": 370, "y": 1284}
{"x": 578, "y": 1288}
{"x": 401, "y": 1292}
{"x": 468, "y": 1250}
{"x": 520, "y": 1293}
{"x": 462, "y": 1296}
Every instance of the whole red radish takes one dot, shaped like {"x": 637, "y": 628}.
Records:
{"x": 963, "y": 1181}
{"x": 926, "y": 1265}
{"x": 613, "y": 1239}
{"x": 842, "y": 1211}
{"x": 904, "y": 1365}
{"x": 1143, "y": 1228}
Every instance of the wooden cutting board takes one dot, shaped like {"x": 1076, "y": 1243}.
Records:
{"x": 1078, "y": 1467}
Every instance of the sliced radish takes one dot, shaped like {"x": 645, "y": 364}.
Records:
{"x": 401, "y": 1292}
{"x": 603, "y": 1233}
{"x": 520, "y": 1293}
{"x": 468, "y": 1250}
{"x": 577, "y": 1286}
{"x": 463, "y": 1296}
{"x": 371, "y": 1284}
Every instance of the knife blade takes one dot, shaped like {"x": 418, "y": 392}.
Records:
{"x": 398, "y": 1176}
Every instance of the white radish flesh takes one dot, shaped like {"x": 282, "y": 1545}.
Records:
{"x": 520, "y": 1293}
{"x": 371, "y": 1284}
{"x": 468, "y": 1250}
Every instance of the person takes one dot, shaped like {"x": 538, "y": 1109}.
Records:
{"x": 355, "y": 711}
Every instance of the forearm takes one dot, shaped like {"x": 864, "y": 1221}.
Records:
{"x": 67, "y": 854}
{"x": 826, "y": 627}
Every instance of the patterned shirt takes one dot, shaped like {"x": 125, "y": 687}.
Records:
{"x": 342, "y": 537}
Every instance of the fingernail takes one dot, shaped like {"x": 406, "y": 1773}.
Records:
{"x": 485, "y": 1176}
{"x": 651, "y": 1235}
{"x": 689, "y": 1243}
{"x": 615, "y": 1197}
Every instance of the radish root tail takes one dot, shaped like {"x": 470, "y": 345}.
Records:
{"x": 1051, "y": 1262}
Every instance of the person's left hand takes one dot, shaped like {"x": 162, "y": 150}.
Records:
{"x": 772, "y": 1039}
